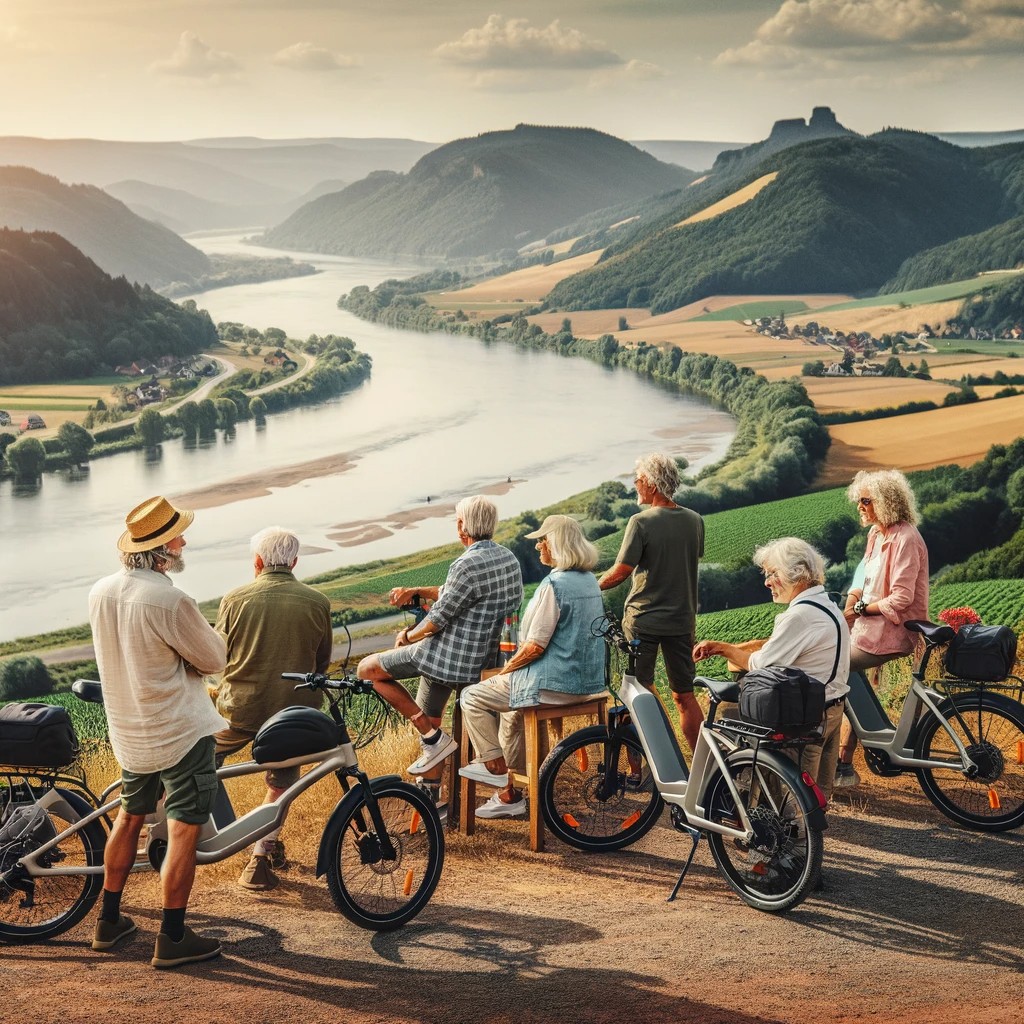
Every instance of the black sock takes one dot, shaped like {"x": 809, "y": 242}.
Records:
{"x": 433, "y": 737}
{"x": 111, "y": 909}
{"x": 173, "y": 924}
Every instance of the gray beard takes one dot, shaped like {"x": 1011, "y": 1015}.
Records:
{"x": 173, "y": 563}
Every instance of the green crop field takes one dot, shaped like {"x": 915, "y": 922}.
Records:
{"x": 950, "y": 346}
{"x": 374, "y": 588}
{"x": 755, "y": 310}
{"x": 916, "y": 296}
{"x": 88, "y": 719}
{"x": 998, "y": 602}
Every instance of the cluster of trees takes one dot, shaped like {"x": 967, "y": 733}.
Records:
{"x": 62, "y": 317}
{"x": 24, "y": 677}
{"x": 780, "y": 439}
{"x": 997, "y": 309}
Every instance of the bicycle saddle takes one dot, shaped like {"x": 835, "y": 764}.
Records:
{"x": 933, "y": 634}
{"x": 88, "y": 689}
{"x": 723, "y": 690}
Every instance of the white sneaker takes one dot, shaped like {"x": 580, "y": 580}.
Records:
{"x": 432, "y": 754}
{"x": 479, "y": 773}
{"x": 496, "y": 808}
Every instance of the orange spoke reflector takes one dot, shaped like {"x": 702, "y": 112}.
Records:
{"x": 759, "y": 869}
{"x": 584, "y": 761}
{"x": 414, "y": 824}
{"x": 993, "y": 800}
{"x": 407, "y": 888}
{"x": 1020, "y": 751}
{"x": 570, "y": 821}
{"x": 631, "y": 820}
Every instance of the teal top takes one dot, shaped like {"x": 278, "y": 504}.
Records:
{"x": 573, "y": 661}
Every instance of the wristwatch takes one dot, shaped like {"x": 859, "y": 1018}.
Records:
{"x": 860, "y": 608}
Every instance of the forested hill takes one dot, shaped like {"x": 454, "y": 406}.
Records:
{"x": 121, "y": 242}
{"x": 480, "y": 196}
{"x": 61, "y": 316}
{"x": 842, "y": 215}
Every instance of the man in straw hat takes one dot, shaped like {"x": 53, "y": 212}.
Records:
{"x": 153, "y": 647}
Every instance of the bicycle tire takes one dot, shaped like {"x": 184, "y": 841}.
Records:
{"x": 570, "y": 781}
{"x": 375, "y": 893}
{"x": 60, "y": 901}
{"x": 993, "y": 801}
{"x": 777, "y": 870}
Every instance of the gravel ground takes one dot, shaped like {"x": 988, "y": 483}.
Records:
{"x": 920, "y": 922}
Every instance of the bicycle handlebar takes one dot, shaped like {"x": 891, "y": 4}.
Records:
{"x": 319, "y": 681}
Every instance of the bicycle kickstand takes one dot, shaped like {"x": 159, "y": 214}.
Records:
{"x": 694, "y": 835}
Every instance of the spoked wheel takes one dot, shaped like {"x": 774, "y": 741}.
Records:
{"x": 371, "y": 889}
{"x": 992, "y": 731}
{"x": 39, "y": 908}
{"x": 776, "y": 869}
{"x": 597, "y": 792}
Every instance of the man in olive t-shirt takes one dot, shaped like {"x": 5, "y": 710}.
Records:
{"x": 660, "y": 550}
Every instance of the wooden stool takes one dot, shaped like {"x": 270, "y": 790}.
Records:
{"x": 536, "y": 751}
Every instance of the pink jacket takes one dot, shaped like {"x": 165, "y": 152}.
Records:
{"x": 904, "y": 582}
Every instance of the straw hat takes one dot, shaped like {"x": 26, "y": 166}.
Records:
{"x": 154, "y": 522}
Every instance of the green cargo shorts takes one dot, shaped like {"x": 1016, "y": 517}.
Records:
{"x": 189, "y": 787}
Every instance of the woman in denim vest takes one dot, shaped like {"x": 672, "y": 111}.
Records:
{"x": 559, "y": 661}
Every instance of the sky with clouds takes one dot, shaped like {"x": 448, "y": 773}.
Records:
{"x": 440, "y": 69}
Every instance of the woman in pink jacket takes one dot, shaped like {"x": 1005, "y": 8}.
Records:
{"x": 890, "y": 585}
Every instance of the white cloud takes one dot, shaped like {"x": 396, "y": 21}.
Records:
{"x": 309, "y": 57}
{"x": 192, "y": 58}
{"x": 514, "y": 44}
{"x": 643, "y": 70}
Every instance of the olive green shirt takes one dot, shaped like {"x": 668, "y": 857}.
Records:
{"x": 664, "y": 546}
{"x": 274, "y": 624}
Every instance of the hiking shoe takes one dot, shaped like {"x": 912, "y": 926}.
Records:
{"x": 257, "y": 875}
{"x": 432, "y": 754}
{"x": 846, "y": 776}
{"x": 496, "y": 808}
{"x": 191, "y": 949}
{"x": 479, "y": 773}
{"x": 109, "y": 933}
{"x": 273, "y": 849}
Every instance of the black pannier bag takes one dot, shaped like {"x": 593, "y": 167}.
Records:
{"x": 785, "y": 700}
{"x": 37, "y": 736}
{"x": 294, "y": 732}
{"x": 983, "y": 653}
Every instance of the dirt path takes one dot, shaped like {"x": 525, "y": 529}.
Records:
{"x": 921, "y": 924}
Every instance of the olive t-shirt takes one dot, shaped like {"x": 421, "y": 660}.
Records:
{"x": 664, "y": 546}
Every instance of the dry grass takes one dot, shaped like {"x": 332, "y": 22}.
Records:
{"x": 592, "y": 323}
{"x": 954, "y": 367}
{"x": 847, "y": 393}
{"x": 738, "y": 198}
{"x": 881, "y": 320}
{"x": 961, "y": 434}
{"x": 528, "y": 285}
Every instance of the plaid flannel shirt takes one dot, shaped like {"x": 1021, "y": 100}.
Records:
{"x": 483, "y": 586}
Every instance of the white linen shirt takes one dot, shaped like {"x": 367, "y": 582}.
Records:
{"x": 805, "y": 638}
{"x": 153, "y": 647}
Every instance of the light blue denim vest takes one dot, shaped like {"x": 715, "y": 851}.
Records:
{"x": 573, "y": 661}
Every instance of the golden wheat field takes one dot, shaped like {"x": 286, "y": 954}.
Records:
{"x": 530, "y": 284}
{"x": 847, "y": 393}
{"x": 962, "y": 434}
{"x": 730, "y": 202}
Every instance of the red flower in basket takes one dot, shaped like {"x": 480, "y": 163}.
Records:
{"x": 957, "y": 617}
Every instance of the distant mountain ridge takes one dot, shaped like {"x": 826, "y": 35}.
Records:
{"x": 843, "y": 214}
{"x": 480, "y": 195}
{"x": 118, "y": 240}
{"x": 62, "y": 317}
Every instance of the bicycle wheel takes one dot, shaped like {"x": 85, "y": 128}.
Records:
{"x": 368, "y": 889}
{"x": 55, "y": 902}
{"x": 775, "y": 871}
{"x": 597, "y": 792}
{"x": 993, "y": 800}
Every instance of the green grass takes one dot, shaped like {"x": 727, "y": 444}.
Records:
{"x": 45, "y": 405}
{"x": 89, "y": 720}
{"x": 998, "y": 602}
{"x": 951, "y": 346}
{"x": 916, "y": 296}
{"x": 755, "y": 310}
{"x": 72, "y": 635}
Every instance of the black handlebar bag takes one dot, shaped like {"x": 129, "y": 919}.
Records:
{"x": 37, "y": 736}
{"x": 785, "y": 700}
{"x": 982, "y": 653}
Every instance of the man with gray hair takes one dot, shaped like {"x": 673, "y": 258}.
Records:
{"x": 660, "y": 550}
{"x": 274, "y": 624}
{"x": 457, "y": 638}
{"x": 153, "y": 647}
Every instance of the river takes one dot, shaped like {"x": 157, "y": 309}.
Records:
{"x": 441, "y": 417}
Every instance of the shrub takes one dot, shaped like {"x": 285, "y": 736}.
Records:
{"x": 24, "y": 677}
